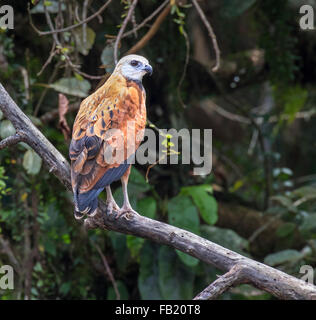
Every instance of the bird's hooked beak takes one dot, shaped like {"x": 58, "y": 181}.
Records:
{"x": 148, "y": 68}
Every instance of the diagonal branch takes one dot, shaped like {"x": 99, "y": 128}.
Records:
{"x": 151, "y": 32}
{"x": 143, "y": 23}
{"x": 211, "y": 34}
{"x": 45, "y": 33}
{"x": 260, "y": 275}
{"x": 125, "y": 22}
{"x": 233, "y": 277}
{"x": 10, "y": 141}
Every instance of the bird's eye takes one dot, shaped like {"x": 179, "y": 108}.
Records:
{"x": 134, "y": 63}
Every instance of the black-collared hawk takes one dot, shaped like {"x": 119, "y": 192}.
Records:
{"x": 101, "y": 146}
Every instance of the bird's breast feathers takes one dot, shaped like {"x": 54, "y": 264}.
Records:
{"x": 109, "y": 127}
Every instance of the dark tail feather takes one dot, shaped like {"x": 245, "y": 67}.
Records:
{"x": 86, "y": 203}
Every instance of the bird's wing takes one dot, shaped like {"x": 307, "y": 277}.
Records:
{"x": 110, "y": 107}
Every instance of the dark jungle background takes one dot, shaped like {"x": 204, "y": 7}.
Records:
{"x": 260, "y": 198}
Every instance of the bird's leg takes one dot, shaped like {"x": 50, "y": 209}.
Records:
{"x": 110, "y": 202}
{"x": 126, "y": 208}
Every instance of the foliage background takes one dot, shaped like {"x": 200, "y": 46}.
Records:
{"x": 259, "y": 199}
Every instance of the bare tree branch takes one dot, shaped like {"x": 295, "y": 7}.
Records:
{"x": 143, "y": 23}
{"x": 44, "y": 33}
{"x": 151, "y": 32}
{"x": 108, "y": 270}
{"x": 211, "y": 34}
{"x": 260, "y": 275}
{"x": 9, "y": 141}
{"x": 225, "y": 282}
{"x": 6, "y": 248}
{"x": 120, "y": 33}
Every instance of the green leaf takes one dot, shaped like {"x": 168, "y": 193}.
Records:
{"x": 107, "y": 58}
{"x": 72, "y": 86}
{"x": 134, "y": 244}
{"x": 65, "y": 288}
{"x": 225, "y": 237}
{"x": 148, "y": 278}
{"x": 282, "y": 257}
{"x": 308, "y": 227}
{"x": 52, "y": 7}
{"x": 295, "y": 98}
{"x": 6, "y": 129}
{"x": 147, "y": 207}
{"x": 84, "y": 46}
{"x": 285, "y": 202}
{"x": 308, "y": 192}
{"x": 285, "y": 229}
{"x": 137, "y": 182}
{"x": 121, "y": 289}
{"x": 50, "y": 246}
{"x": 32, "y": 162}
{"x": 175, "y": 279}
{"x": 183, "y": 214}
{"x": 205, "y": 202}
{"x": 121, "y": 251}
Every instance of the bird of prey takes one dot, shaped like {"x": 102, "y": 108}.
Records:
{"x": 101, "y": 133}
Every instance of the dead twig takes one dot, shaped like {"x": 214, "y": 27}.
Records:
{"x": 211, "y": 34}
{"x": 44, "y": 33}
{"x": 187, "y": 56}
{"x": 151, "y": 32}
{"x": 146, "y": 20}
{"x": 10, "y": 141}
{"x": 124, "y": 24}
{"x": 108, "y": 270}
{"x": 223, "y": 283}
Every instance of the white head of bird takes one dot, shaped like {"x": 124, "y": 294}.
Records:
{"x": 133, "y": 67}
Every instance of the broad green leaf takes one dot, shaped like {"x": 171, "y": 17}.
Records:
{"x": 308, "y": 227}
{"x": 285, "y": 229}
{"x": 175, "y": 279}
{"x": 308, "y": 192}
{"x": 107, "y": 58}
{"x": 148, "y": 278}
{"x": 84, "y": 46}
{"x": 1, "y": 115}
{"x": 282, "y": 257}
{"x": 6, "y": 129}
{"x": 286, "y": 202}
{"x": 183, "y": 214}
{"x": 235, "y": 8}
{"x": 121, "y": 289}
{"x": 138, "y": 182}
{"x": 121, "y": 252}
{"x": 65, "y": 288}
{"x": 205, "y": 202}
{"x": 225, "y": 237}
{"x": 72, "y": 86}
{"x": 134, "y": 244}
{"x": 295, "y": 98}
{"x": 147, "y": 207}
{"x": 49, "y": 246}
{"x": 32, "y": 162}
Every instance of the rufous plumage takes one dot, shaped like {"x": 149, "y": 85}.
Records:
{"x": 101, "y": 146}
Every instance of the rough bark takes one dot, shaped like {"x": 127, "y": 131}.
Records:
{"x": 262, "y": 276}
